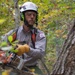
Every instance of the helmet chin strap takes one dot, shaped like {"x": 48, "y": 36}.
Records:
{"x": 27, "y": 24}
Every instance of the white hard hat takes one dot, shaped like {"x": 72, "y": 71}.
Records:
{"x": 28, "y": 6}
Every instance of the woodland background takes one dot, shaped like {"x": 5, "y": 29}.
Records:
{"x": 55, "y": 19}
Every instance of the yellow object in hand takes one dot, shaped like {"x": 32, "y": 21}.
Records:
{"x": 6, "y": 72}
{"x": 32, "y": 70}
{"x": 22, "y": 49}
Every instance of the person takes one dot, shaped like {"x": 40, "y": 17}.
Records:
{"x": 32, "y": 41}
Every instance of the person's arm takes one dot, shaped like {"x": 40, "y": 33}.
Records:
{"x": 5, "y": 36}
{"x": 40, "y": 46}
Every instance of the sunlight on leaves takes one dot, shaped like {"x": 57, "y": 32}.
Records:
{"x": 2, "y": 21}
{"x": 10, "y": 39}
{"x": 3, "y": 44}
{"x": 64, "y": 36}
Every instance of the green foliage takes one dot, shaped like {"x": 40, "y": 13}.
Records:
{"x": 6, "y": 19}
{"x": 1, "y": 21}
{"x": 10, "y": 39}
{"x": 14, "y": 51}
{"x": 3, "y": 44}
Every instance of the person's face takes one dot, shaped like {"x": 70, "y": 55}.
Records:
{"x": 30, "y": 17}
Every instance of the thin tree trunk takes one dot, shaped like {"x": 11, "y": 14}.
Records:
{"x": 16, "y": 14}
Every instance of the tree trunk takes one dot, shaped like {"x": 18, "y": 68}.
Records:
{"x": 65, "y": 64}
{"x": 16, "y": 14}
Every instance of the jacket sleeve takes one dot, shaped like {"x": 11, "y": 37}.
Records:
{"x": 5, "y": 36}
{"x": 40, "y": 46}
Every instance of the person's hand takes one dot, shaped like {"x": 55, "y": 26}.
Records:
{"x": 22, "y": 49}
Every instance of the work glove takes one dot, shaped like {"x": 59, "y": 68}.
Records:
{"x": 22, "y": 49}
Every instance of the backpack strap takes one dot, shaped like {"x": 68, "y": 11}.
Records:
{"x": 14, "y": 35}
{"x": 33, "y": 36}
